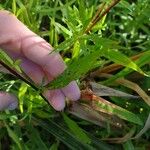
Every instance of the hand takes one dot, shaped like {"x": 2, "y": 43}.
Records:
{"x": 37, "y": 61}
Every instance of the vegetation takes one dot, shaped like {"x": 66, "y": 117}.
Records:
{"x": 106, "y": 46}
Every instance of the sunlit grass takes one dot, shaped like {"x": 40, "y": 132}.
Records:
{"x": 67, "y": 26}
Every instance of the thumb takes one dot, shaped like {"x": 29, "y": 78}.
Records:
{"x": 7, "y": 101}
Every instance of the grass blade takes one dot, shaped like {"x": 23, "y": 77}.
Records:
{"x": 78, "y": 132}
{"x": 63, "y": 135}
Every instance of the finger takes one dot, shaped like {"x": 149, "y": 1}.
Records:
{"x": 40, "y": 52}
{"x": 11, "y": 30}
{"x": 19, "y": 38}
{"x": 56, "y": 99}
{"x": 33, "y": 71}
{"x": 7, "y": 101}
{"x": 31, "y": 46}
{"x": 72, "y": 91}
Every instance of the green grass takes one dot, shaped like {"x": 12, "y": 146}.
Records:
{"x": 118, "y": 35}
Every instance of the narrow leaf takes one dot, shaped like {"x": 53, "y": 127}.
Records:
{"x": 144, "y": 59}
{"x": 122, "y": 59}
{"x": 78, "y": 132}
{"x": 81, "y": 65}
{"x": 63, "y": 135}
{"x": 14, "y": 137}
{"x": 101, "y": 90}
{"x": 100, "y": 103}
{"x": 145, "y": 128}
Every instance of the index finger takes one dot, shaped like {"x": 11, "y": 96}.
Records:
{"x": 39, "y": 51}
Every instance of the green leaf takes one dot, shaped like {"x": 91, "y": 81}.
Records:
{"x": 37, "y": 139}
{"x": 63, "y": 135}
{"x": 24, "y": 14}
{"x": 76, "y": 69}
{"x": 51, "y": 10}
{"x": 13, "y": 136}
{"x": 65, "y": 45}
{"x": 118, "y": 111}
{"x": 14, "y": 6}
{"x": 5, "y": 116}
{"x": 121, "y": 59}
{"x": 78, "y": 132}
{"x": 22, "y": 91}
{"x": 6, "y": 59}
{"x": 144, "y": 59}
{"x": 41, "y": 113}
{"x": 128, "y": 145}
{"x": 81, "y": 65}
{"x": 54, "y": 147}
{"x": 17, "y": 64}
{"x": 65, "y": 30}
{"x": 76, "y": 49}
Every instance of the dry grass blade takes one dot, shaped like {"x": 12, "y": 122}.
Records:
{"x": 87, "y": 113}
{"x": 100, "y": 118}
{"x": 121, "y": 139}
{"x": 131, "y": 85}
{"x": 101, "y": 90}
{"x": 145, "y": 128}
{"x": 135, "y": 87}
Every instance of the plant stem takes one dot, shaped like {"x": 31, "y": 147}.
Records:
{"x": 99, "y": 11}
{"x": 97, "y": 18}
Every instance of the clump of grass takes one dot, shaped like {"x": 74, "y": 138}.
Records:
{"x": 98, "y": 42}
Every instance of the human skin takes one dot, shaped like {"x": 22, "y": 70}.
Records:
{"x": 38, "y": 60}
